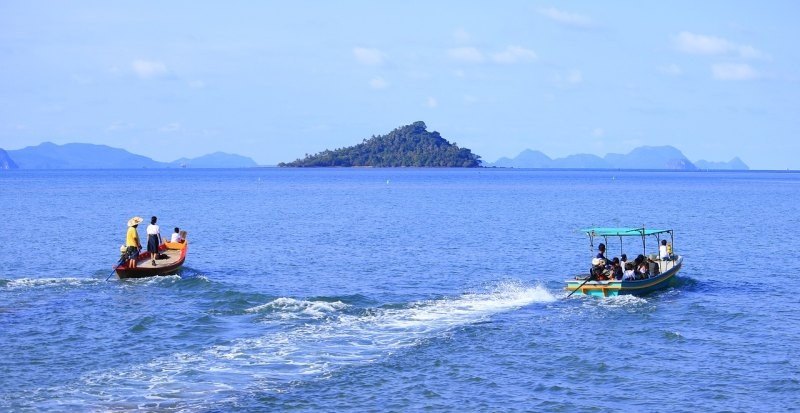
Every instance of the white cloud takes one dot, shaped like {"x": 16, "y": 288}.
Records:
{"x": 466, "y": 54}
{"x": 671, "y": 70}
{"x": 378, "y": 83}
{"x": 369, "y": 57}
{"x": 148, "y": 69}
{"x": 461, "y": 36}
{"x": 709, "y": 45}
{"x": 514, "y": 54}
{"x": 598, "y": 132}
{"x": 566, "y": 18}
{"x": 574, "y": 77}
{"x": 733, "y": 71}
{"x": 171, "y": 127}
{"x": 431, "y": 102}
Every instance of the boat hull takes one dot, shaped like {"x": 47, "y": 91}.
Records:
{"x": 176, "y": 253}
{"x": 633, "y": 287}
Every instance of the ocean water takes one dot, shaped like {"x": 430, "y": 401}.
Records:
{"x": 396, "y": 290}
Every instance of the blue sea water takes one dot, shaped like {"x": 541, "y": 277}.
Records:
{"x": 396, "y": 290}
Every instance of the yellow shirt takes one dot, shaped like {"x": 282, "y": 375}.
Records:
{"x": 132, "y": 239}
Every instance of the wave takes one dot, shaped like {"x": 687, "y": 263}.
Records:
{"x": 338, "y": 339}
{"x": 28, "y": 283}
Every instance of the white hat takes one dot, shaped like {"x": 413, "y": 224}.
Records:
{"x": 598, "y": 261}
{"x": 135, "y": 221}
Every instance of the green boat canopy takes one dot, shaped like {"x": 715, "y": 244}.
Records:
{"x": 623, "y": 232}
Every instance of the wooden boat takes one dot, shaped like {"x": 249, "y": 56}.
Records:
{"x": 661, "y": 275}
{"x": 175, "y": 256}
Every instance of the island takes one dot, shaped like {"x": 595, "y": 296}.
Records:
{"x": 407, "y": 146}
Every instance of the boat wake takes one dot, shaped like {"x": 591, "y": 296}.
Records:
{"x": 29, "y": 283}
{"x": 339, "y": 338}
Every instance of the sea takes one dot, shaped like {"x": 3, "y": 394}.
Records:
{"x": 396, "y": 290}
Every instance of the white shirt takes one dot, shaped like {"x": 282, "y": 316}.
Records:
{"x": 662, "y": 251}
{"x": 152, "y": 229}
{"x": 628, "y": 275}
{"x": 175, "y": 237}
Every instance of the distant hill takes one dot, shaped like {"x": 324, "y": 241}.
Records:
{"x": 644, "y": 157}
{"x": 410, "y": 145}
{"x": 216, "y": 160}
{"x": 6, "y": 162}
{"x": 89, "y": 156}
{"x": 734, "y": 164}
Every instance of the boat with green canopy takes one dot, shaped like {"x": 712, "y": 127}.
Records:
{"x": 652, "y": 272}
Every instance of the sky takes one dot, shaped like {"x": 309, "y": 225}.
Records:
{"x": 277, "y": 80}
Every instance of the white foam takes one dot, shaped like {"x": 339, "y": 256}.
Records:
{"x": 289, "y": 307}
{"x": 311, "y": 349}
{"x": 49, "y": 282}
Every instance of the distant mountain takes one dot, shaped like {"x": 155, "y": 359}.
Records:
{"x": 79, "y": 156}
{"x": 644, "y": 157}
{"x": 216, "y": 160}
{"x": 6, "y": 162}
{"x": 89, "y": 156}
{"x": 734, "y": 164}
{"x": 410, "y": 145}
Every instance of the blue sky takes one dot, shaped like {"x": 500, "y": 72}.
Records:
{"x": 276, "y": 80}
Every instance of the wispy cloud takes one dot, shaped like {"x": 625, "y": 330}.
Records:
{"x": 699, "y": 44}
{"x": 461, "y": 36}
{"x": 598, "y": 132}
{"x": 149, "y": 69}
{"x": 369, "y": 57}
{"x": 466, "y": 54}
{"x": 733, "y": 71}
{"x": 514, "y": 54}
{"x": 567, "y": 18}
{"x": 171, "y": 127}
{"x": 378, "y": 83}
{"x": 671, "y": 70}
{"x": 572, "y": 77}
{"x": 431, "y": 102}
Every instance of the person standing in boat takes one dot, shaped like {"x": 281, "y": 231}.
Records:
{"x": 132, "y": 244}
{"x": 153, "y": 239}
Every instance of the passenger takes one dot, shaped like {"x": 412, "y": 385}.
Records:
{"x": 602, "y": 252}
{"x": 616, "y": 268}
{"x": 653, "y": 267}
{"x": 183, "y": 236}
{"x": 623, "y": 260}
{"x": 640, "y": 267}
{"x": 176, "y": 236}
{"x": 598, "y": 271}
{"x": 132, "y": 244}
{"x": 153, "y": 239}
{"x": 628, "y": 274}
{"x": 664, "y": 251}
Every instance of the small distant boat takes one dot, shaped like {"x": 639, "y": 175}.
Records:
{"x": 172, "y": 254}
{"x": 661, "y": 275}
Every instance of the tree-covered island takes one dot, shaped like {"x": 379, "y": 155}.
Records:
{"x": 411, "y": 145}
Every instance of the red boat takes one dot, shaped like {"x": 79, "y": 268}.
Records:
{"x": 171, "y": 258}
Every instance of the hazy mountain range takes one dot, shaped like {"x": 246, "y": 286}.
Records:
{"x": 89, "y": 156}
{"x": 644, "y": 157}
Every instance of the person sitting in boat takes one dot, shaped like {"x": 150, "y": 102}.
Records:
{"x": 641, "y": 267}
{"x": 629, "y": 274}
{"x": 616, "y": 268}
{"x": 176, "y": 236}
{"x": 599, "y": 270}
{"x": 153, "y": 239}
{"x": 623, "y": 261}
{"x": 665, "y": 251}
{"x": 132, "y": 244}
